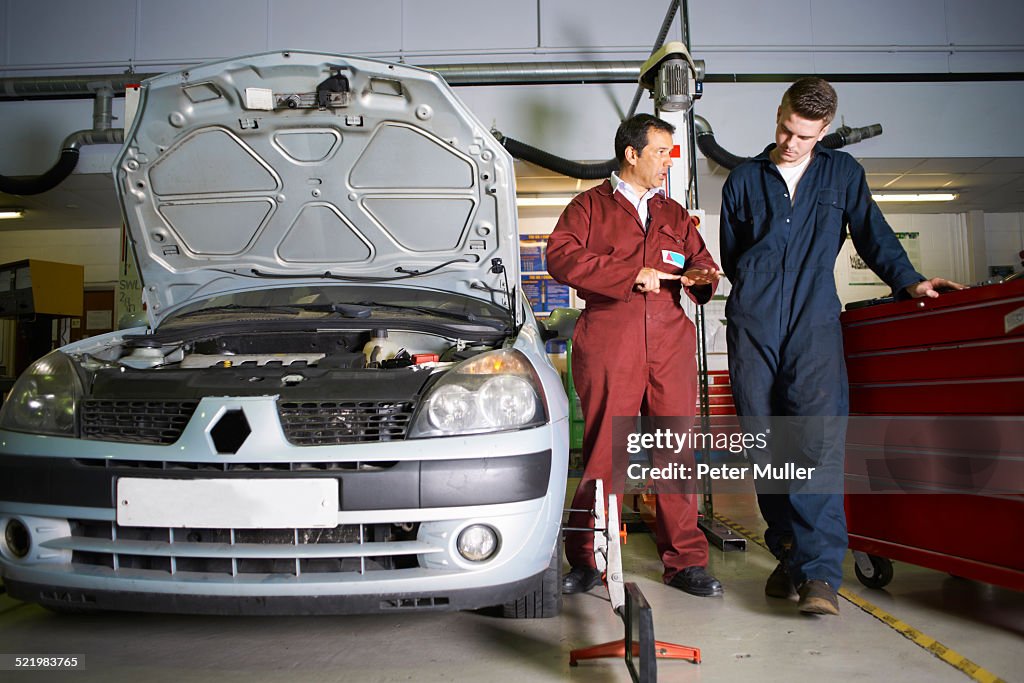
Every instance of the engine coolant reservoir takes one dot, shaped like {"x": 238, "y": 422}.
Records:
{"x": 380, "y": 348}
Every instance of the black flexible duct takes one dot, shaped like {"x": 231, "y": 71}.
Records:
{"x": 100, "y": 134}
{"x": 710, "y": 148}
{"x": 843, "y": 136}
{"x": 847, "y": 136}
{"x": 573, "y": 169}
{"x": 41, "y": 183}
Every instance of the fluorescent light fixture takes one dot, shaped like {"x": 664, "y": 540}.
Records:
{"x": 916, "y": 197}
{"x": 12, "y": 213}
{"x": 545, "y": 200}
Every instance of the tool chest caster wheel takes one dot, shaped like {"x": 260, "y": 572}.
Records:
{"x": 872, "y": 571}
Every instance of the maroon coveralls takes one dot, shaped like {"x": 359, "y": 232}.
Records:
{"x": 633, "y": 352}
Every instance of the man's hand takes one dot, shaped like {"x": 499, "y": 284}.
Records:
{"x": 649, "y": 280}
{"x": 700, "y": 276}
{"x": 929, "y": 287}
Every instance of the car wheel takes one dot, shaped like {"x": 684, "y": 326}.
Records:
{"x": 546, "y": 600}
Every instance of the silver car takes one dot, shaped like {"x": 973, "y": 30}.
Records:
{"x": 340, "y": 403}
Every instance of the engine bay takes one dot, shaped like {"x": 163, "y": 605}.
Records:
{"x": 294, "y": 364}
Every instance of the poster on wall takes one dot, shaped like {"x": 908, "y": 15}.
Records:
{"x": 544, "y": 293}
{"x": 858, "y": 271}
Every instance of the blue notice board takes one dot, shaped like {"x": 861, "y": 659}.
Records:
{"x": 531, "y": 253}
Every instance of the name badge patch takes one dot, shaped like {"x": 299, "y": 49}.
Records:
{"x": 673, "y": 257}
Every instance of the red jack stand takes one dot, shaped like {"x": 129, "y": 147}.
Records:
{"x": 639, "y": 649}
{"x": 617, "y": 648}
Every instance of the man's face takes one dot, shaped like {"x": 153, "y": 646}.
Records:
{"x": 795, "y": 137}
{"x": 649, "y": 166}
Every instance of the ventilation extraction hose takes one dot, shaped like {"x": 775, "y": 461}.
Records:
{"x": 46, "y": 181}
{"x": 101, "y": 134}
{"x": 712, "y": 150}
{"x": 573, "y": 169}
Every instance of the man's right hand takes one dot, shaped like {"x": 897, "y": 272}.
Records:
{"x": 649, "y": 280}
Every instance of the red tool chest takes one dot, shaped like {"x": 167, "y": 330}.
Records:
{"x": 955, "y": 366}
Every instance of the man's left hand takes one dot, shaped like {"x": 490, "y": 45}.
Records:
{"x": 930, "y": 288}
{"x": 700, "y": 276}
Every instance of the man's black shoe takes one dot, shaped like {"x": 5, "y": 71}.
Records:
{"x": 580, "y": 580}
{"x": 696, "y": 581}
{"x": 780, "y": 584}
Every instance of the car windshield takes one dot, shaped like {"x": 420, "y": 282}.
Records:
{"x": 340, "y": 302}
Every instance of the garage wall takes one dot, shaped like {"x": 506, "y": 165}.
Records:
{"x": 1004, "y": 239}
{"x": 40, "y": 37}
{"x": 97, "y": 250}
{"x": 781, "y": 36}
{"x": 965, "y": 118}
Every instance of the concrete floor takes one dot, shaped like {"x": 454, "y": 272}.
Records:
{"x": 743, "y": 636}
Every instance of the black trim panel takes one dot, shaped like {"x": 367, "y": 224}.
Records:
{"x": 406, "y": 485}
{"x": 86, "y": 600}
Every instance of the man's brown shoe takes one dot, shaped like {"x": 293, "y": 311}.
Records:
{"x": 817, "y": 597}
{"x": 780, "y": 584}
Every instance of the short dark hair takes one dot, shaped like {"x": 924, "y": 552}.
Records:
{"x": 812, "y": 98}
{"x": 633, "y": 133}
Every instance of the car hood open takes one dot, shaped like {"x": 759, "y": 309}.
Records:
{"x": 291, "y": 168}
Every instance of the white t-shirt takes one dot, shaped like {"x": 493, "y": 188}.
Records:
{"x": 792, "y": 175}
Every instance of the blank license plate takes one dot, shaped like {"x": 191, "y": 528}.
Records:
{"x": 223, "y": 503}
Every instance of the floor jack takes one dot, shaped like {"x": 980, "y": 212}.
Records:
{"x": 638, "y": 648}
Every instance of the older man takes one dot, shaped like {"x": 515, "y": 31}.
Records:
{"x": 631, "y": 253}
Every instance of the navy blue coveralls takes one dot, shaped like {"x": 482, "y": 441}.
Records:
{"x": 785, "y": 342}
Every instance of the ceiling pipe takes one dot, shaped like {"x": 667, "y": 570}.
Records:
{"x": 66, "y": 87}
{"x": 538, "y": 73}
{"x": 101, "y": 134}
{"x": 510, "y": 73}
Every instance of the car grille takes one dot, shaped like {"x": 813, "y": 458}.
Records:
{"x": 135, "y": 420}
{"x": 252, "y": 553}
{"x": 322, "y": 423}
{"x": 163, "y": 466}
{"x": 305, "y": 423}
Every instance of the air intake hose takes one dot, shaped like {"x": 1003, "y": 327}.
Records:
{"x": 712, "y": 150}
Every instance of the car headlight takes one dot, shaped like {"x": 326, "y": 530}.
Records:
{"x": 44, "y": 398}
{"x": 494, "y": 391}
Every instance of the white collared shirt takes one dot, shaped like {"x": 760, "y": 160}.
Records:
{"x": 638, "y": 202}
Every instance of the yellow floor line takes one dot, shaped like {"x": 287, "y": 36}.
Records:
{"x": 951, "y": 657}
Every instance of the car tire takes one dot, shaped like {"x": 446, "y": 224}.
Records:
{"x": 546, "y": 601}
